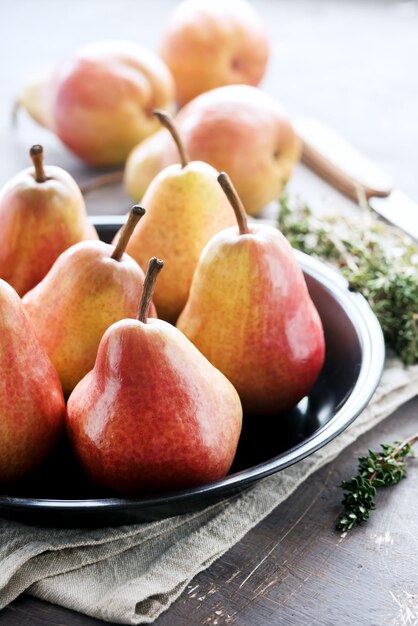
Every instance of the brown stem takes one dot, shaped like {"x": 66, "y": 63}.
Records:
{"x": 37, "y": 156}
{"x": 154, "y": 267}
{"x": 134, "y": 216}
{"x": 167, "y": 121}
{"x": 233, "y": 197}
{"x": 101, "y": 181}
{"x": 408, "y": 442}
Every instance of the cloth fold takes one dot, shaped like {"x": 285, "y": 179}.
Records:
{"x": 131, "y": 574}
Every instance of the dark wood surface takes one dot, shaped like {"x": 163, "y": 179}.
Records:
{"x": 353, "y": 65}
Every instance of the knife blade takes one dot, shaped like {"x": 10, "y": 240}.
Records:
{"x": 345, "y": 168}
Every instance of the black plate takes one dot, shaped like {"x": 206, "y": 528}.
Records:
{"x": 58, "y": 493}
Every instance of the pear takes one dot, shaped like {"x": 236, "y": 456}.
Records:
{"x": 237, "y": 128}
{"x": 42, "y": 213}
{"x": 208, "y": 44}
{"x": 249, "y": 312}
{"x": 90, "y": 286}
{"x": 98, "y": 101}
{"x": 185, "y": 208}
{"x": 32, "y": 405}
{"x": 153, "y": 415}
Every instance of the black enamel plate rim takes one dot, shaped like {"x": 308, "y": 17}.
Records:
{"x": 373, "y": 350}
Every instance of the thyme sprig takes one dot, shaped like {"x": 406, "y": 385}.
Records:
{"x": 377, "y": 260}
{"x": 378, "y": 469}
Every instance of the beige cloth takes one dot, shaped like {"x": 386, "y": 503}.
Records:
{"x": 130, "y": 575}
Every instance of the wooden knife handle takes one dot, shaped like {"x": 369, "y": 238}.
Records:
{"x": 339, "y": 163}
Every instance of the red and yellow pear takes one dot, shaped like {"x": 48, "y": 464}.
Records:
{"x": 89, "y": 287}
{"x": 250, "y": 313}
{"x": 99, "y": 102}
{"x": 42, "y": 213}
{"x": 185, "y": 208}
{"x": 32, "y": 405}
{"x": 209, "y": 44}
{"x": 153, "y": 415}
{"x": 239, "y": 129}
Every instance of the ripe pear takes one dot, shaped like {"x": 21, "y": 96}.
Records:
{"x": 42, "y": 213}
{"x": 153, "y": 415}
{"x": 99, "y": 102}
{"x": 237, "y": 128}
{"x": 209, "y": 44}
{"x": 89, "y": 287}
{"x": 185, "y": 208}
{"x": 249, "y": 312}
{"x": 32, "y": 405}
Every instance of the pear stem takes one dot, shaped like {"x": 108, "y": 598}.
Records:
{"x": 37, "y": 156}
{"x": 167, "y": 121}
{"x": 135, "y": 215}
{"x": 154, "y": 267}
{"x": 233, "y": 197}
{"x": 110, "y": 178}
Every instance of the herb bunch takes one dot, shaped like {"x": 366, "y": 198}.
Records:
{"x": 377, "y": 260}
{"x": 377, "y": 469}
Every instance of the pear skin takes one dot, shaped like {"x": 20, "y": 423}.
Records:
{"x": 185, "y": 208}
{"x": 39, "y": 219}
{"x": 99, "y": 101}
{"x": 37, "y": 97}
{"x": 153, "y": 415}
{"x": 146, "y": 160}
{"x": 249, "y": 312}
{"x": 209, "y": 44}
{"x": 236, "y": 128}
{"x": 32, "y": 405}
{"x": 81, "y": 296}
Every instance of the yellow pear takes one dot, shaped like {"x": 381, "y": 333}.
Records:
{"x": 185, "y": 208}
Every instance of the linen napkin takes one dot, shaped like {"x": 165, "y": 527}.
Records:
{"x": 131, "y": 574}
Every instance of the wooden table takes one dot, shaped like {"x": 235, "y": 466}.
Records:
{"x": 352, "y": 64}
